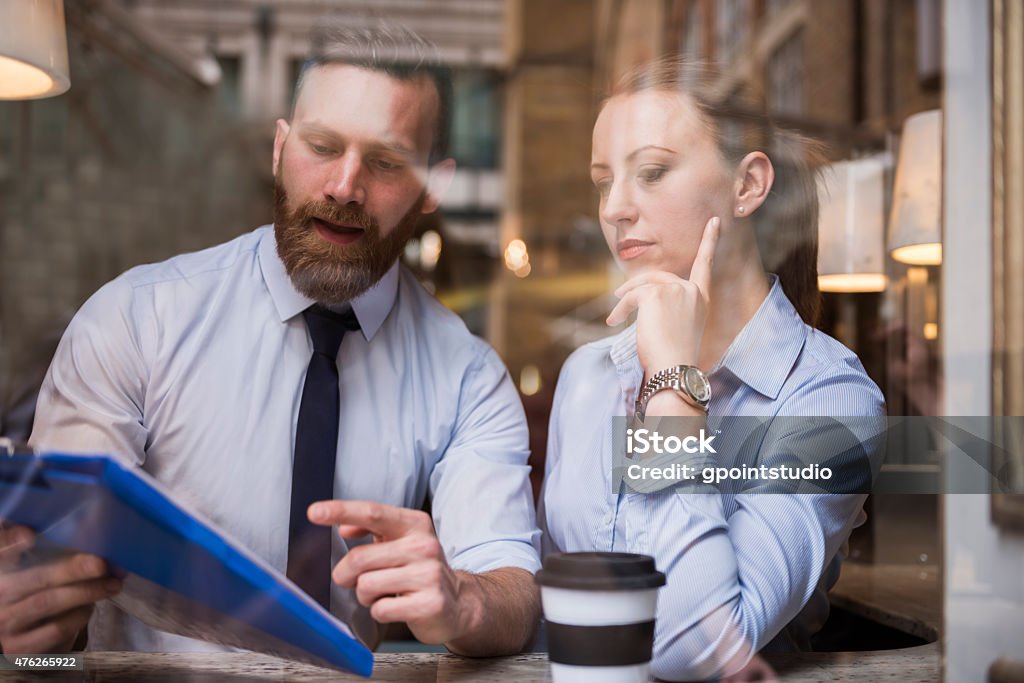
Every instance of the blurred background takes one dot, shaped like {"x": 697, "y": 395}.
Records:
{"x": 163, "y": 145}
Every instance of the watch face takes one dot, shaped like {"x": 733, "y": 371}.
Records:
{"x": 697, "y": 384}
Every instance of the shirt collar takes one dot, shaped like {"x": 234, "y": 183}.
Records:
{"x": 762, "y": 354}
{"x": 371, "y": 307}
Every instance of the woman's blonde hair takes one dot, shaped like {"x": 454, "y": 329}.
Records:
{"x": 786, "y": 224}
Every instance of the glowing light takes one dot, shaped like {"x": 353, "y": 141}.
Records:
{"x": 928, "y": 254}
{"x": 430, "y": 249}
{"x": 529, "y": 380}
{"x": 516, "y": 255}
{"x": 22, "y": 80}
{"x": 852, "y": 282}
{"x": 917, "y": 276}
{"x": 411, "y": 253}
{"x": 517, "y": 258}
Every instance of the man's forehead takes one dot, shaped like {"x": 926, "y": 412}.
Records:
{"x": 353, "y": 100}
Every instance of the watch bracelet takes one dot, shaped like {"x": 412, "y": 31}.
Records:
{"x": 658, "y": 381}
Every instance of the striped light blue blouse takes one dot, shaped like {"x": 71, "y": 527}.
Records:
{"x": 745, "y": 569}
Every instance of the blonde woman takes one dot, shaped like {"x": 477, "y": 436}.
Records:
{"x": 718, "y": 245}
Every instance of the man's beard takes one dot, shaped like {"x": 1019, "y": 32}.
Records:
{"x": 329, "y": 273}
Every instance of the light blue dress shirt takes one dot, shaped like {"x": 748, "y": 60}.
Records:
{"x": 193, "y": 369}
{"x": 743, "y": 568}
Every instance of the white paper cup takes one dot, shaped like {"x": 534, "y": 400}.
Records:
{"x": 599, "y": 609}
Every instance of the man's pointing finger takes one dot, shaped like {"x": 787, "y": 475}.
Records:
{"x": 383, "y": 520}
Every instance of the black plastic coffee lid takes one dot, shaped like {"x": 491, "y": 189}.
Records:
{"x": 600, "y": 571}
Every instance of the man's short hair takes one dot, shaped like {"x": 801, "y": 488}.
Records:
{"x": 390, "y": 49}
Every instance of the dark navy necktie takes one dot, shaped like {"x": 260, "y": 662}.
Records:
{"x": 316, "y": 447}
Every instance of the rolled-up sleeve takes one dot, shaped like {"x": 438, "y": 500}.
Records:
{"x": 482, "y": 502}
{"x": 736, "y": 580}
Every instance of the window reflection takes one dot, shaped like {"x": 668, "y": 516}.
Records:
{"x": 138, "y": 163}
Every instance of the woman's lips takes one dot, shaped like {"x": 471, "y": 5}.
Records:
{"x": 630, "y": 249}
{"x": 338, "y": 234}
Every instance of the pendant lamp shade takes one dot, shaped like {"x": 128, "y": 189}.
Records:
{"x": 33, "y": 49}
{"x": 914, "y": 224}
{"x": 851, "y": 249}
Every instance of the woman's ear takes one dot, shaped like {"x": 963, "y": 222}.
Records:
{"x": 754, "y": 178}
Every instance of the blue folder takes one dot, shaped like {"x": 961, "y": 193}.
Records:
{"x": 180, "y": 574}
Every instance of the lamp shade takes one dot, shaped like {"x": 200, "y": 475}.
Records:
{"x": 33, "y": 49}
{"x": 851, "y": 251}
{"x": 914, "y": 224}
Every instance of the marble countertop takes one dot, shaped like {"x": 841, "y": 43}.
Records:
{"x": 908, "y": 666}
{"x": 905, "y": 597}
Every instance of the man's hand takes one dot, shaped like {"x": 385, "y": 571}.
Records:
{"x": 43, "y": 608}
{"x": 404, "y": 576}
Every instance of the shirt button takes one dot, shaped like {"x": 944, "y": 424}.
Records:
{"x": 608, "y": 518}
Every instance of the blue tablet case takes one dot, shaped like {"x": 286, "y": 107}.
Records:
{"x": 181, "y": 575}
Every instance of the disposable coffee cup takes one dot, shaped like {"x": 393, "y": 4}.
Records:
{"x": 599, "y": 609}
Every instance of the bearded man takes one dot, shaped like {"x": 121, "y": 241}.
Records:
{"x": 298, "y": 379}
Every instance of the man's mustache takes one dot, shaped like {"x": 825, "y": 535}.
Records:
{"x": 333, "y": 213}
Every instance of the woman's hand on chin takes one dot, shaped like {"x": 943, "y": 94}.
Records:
{"x": 671, "y": 311}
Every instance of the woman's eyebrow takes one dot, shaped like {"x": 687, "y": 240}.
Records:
{"x": 632, "y": 155}
{"x": 638, "y": 150}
